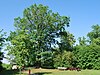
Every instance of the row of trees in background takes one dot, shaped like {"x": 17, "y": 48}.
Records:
{"x": 40, "y": 39}
{"x": 88, "y": 50}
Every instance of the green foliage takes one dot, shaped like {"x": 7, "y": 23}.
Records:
{"x": 88, "y": 51}
{"x": 95, "y": 33}
{"x": 47, "y": 60}
{"x": 66, "y": 41}
{"x": 82, "y": 41}
{"x": 34, "y": 41}
{"x": 7, "y": 66}
{"x": 35, "y": 34}
{"x": 66, "y": 59}
{"x": 88, "y": 57}
{"x": 21, "y": 48}
{"x": 63, "y": 56}
{"x": 1, "y": 45}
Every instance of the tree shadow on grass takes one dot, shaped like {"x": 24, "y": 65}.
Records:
{"x": 41, "y": 73}
{"x": 9, "y": 72}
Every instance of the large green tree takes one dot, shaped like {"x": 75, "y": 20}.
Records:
{"x": 35, "y": 35}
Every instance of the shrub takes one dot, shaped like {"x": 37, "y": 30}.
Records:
{"x": 65, "y": 60}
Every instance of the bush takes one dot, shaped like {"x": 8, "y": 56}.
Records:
{"x": 88, "y": 57}
{"x": 65, "y": 60}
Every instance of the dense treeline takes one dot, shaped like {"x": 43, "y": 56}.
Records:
{"x": 40, "y": 39}
{"x": 88, "y": 50}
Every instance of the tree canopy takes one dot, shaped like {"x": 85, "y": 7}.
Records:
{"x": 36, "y": 33}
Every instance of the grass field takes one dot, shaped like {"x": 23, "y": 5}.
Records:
{"x": 58, "y": 72}
{"x": 52, "y": 72}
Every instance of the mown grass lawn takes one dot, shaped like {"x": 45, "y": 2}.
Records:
{"x": 58, "y": 72}
{"x": 52, "y": 72}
